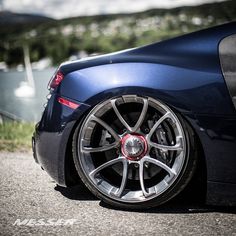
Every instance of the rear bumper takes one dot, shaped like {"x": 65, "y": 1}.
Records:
{"x": 33, "y": 148}
{"x": 49, "y": 151}
{"x": 52, "y": 136}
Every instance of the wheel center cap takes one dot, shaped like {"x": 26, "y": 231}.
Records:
{"x": 133, "y": 146}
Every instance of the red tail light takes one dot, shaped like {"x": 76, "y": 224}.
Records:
{"x": 56, "y": 80}
{"x": 68, "y": 103}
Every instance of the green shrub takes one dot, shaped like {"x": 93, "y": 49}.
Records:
{"x": 16, "y": 136}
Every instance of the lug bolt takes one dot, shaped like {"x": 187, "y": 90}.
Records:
{"x": 146, "y": 130}
{"x": 136, "y": 165}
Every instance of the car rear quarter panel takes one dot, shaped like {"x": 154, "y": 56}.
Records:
{"x": 186, "y": 89}
{"x": 201, "y": 97}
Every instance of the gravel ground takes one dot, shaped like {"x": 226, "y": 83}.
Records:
{"x": 27, "y": 192}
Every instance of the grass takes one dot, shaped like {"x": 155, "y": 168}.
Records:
{"x": 16, "y": 136}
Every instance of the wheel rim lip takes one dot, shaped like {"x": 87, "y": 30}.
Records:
{"x": 184, "y": 151}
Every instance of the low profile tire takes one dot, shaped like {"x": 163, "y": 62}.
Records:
{"x": 134, "y": 152}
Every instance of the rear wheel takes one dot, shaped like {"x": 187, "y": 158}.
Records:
{"x": 134, "y": 152}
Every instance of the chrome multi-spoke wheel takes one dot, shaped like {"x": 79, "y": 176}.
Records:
{"x": 132, "y": 150}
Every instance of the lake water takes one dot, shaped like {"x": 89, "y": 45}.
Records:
{"x": 28, "y": 109}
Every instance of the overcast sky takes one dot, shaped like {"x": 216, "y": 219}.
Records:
{"x": 68, "y": 8}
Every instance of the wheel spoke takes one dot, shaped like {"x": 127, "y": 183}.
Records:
{"x": 176, "y": 147}
{"x": 100, "y": 149}
{"x": 141, "y": 179}
{"x": 106, "y": 126}
{"x": 141, "y": 117}
{"x": 105, "y": 165}
{"x": 149, "y": 135}
{"x": 122, "y": 120}
{"x": 124, "y": 178}
{"x": 166, "y": 147}
{"x": 159, "y": 164}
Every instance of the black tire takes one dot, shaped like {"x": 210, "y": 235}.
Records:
{"x": 178, "y": 185}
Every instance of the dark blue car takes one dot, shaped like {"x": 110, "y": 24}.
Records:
{"x": 138, "y": 125}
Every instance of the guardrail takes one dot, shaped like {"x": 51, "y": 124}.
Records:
{"x": 7, "y": 116}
